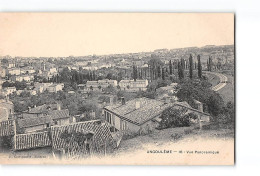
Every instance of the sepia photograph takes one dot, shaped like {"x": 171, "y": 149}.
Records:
{"x": 117, "y": 88}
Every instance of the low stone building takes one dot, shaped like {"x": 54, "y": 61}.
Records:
{"x": 6, "y": 109}
{"x": 100, "y": 85}
{"x": 133, "y": 85}
{"x": 142, "y": 115}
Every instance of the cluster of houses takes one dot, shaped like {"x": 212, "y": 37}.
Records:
{"x": 126, "y": 85}
{"x": 35, "y": 89}
{"x": 46, "y": 125}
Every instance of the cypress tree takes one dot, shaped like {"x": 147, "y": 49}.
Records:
{"x": 159, "y": 71}
{"x": 180, "y": 70}
{"x": 135, "y": 74}
{"x": 191, "y": 66}
{"x": 163, "y": 74}
{"x": 199, "y": 67}
{"x": 170, "y": 67}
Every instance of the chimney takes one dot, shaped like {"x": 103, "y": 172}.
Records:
{"x": 111, "y": 100}
{"x": 92, "y": 115}
{"x": 123, "y": 100}
{"x": 199, "y": 105}
{"x": 167, "y": 100}
{"x": 58, "y": 106}
{"x": 137, "y": 104}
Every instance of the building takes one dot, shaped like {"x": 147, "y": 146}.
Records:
{"x": 2, "y": 72}
{"x": 14, "y": 71}
{"x": 27, "y": 70}
{"x": 9, "y": 90}
{"x": 41, "y": 87}
{"x": 60, "y": 117}
{"x": 34, "y": 121}
{"x": 21, "y": 78}
{"x": 34, "y": 124}
{"x": 6, "y": 110}
{"x": 100, "y": 85}
{"x": 133, "y": 86}
{"x": 99, "y": 139}
{"x": 55, "y": 87}
{"x": 142, "y": 115}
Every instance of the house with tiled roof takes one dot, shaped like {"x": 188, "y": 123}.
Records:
{"x": 100, "y": 85}
{"x": 59, "y": 117}
{"x": 7, "y": 128}
{"x": 31, "y": 140}
{"x": 141, "y": 115}
{"x": 30, "y": 125}
{"x": 42, "y": 117}
{"x": 6, "y": 110}
{"x": 133, "y": 85}
{"x": 99, "y": 139}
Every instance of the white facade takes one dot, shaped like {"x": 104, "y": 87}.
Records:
{"x": 24, "y": 78}
{"x": 131, "y": 85}
{"x": 9, "y": 90}
{"x": 14, "y": 71}
{"x": 100, "y": 84}
{"x": 55, "y": 88}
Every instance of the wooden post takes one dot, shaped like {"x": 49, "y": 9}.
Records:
{"x": 14, "y": 124}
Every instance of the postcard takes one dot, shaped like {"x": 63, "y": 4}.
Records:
{"x": 117, "y": 88}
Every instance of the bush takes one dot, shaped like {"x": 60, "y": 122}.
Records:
{"x": 176, "y": 136}
{"x": 172, "y": 117}
{"x": 200, "y": 90}
{"x": 187, "y": 131}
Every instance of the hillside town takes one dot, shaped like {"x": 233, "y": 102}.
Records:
{"x": 92, "y": 105}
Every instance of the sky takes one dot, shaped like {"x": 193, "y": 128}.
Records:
{"x": 80, "y": 34}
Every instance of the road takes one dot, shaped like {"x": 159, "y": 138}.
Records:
{"x": 222, "y": 83}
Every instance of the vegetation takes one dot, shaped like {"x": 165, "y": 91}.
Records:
{"x": 173, "y": 117}
{"x": 18, "y": 85}
{"x": 199, "y": 67}
{"x": 191, "y": 66}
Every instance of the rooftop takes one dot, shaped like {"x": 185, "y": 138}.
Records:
{"x": 147, "y": 110}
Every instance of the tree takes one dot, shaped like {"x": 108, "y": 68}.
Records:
{"x": 210, "y": 64}
{"x": 159, "y": 72}
{"x": 109, "y": 76}
{"x": 163, "y": 74}
{"x": 172, "y": 117}
{"x": 170, "y": 67}
{"x": 199, "y": 68}
{"x": 200, "y": 90}
{"x": 153, "y": 65}
{"x": 180, "y": 71}
{"x": 135, "y": 74}
{"x": 191, "y": 66}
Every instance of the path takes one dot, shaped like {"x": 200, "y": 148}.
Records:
{"x": 222, "y": 83}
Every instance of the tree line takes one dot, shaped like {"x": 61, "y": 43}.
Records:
{"x": 158, "y": 70}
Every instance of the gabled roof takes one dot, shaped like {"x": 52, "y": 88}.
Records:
{"x": 59, "y": 114}
{"x": 32, "y": 140}
{"x": 38, "y": 109}
{"x": 149, "y": 109}
{"x": 7, "y": 128}
{"x": 30, "y": 122}
{"x": 102, "y": 135}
